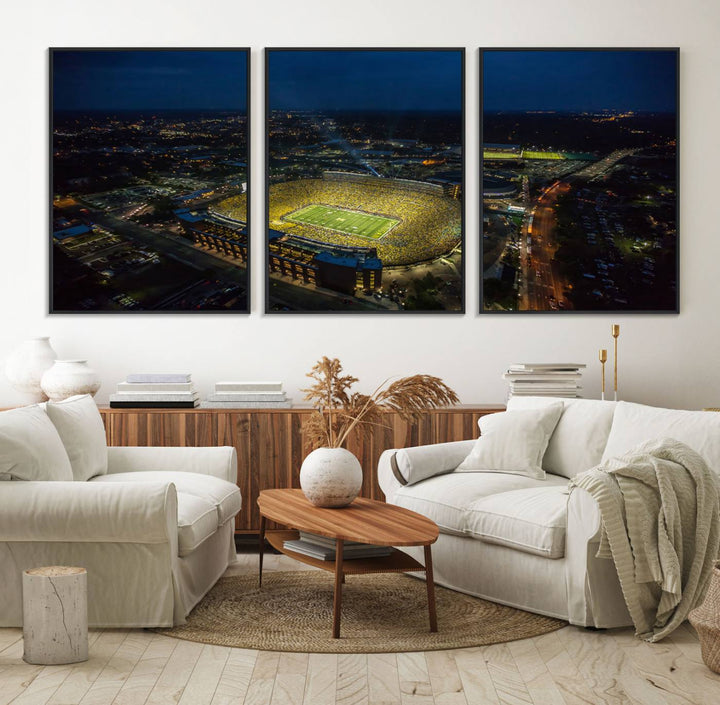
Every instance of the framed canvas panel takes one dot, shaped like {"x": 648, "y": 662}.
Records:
{"x": 149, "y": 180}
{"x": 365, "y": 154}
{"x": 579, "y": 182}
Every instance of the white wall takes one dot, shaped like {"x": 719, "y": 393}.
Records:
{"x": 667, "y": 360}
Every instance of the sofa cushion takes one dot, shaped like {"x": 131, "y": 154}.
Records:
{"x": 446, "y": 499}
{"x": 421, "y": 462}
{"x": 532, "y": 520}
{"x": 635, "y": 423}
{"x": 513, "y": 442}
{"x": 197, "y": 521}
{"x": 30, "y": 447}
{"x": 81, "y": 429}
{"x": 223, "y": 495}
{"x": 580, "y": 437}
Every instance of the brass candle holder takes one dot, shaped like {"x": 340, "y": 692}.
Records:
{"x": 615, "y": 330}
{"x": 603, "y": 360}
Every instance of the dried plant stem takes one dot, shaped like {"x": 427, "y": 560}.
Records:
{"x": 338, "y": 412}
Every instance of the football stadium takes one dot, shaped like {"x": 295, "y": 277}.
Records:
{"x": 400, "y": 222}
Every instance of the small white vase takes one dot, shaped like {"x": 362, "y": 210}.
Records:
{"x": 331, "y": 477}
{"x": 66, "y": 378}
{"x": 25, "y": 366}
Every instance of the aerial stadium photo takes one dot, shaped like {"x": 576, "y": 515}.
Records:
{"x": 144, "y": 143}
{"x": 579, "y": 180}
{"x": 365, "y": 180}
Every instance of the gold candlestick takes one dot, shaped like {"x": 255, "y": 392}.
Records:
{"x": 603, "y": 360}
{"x": 615, "y": 330}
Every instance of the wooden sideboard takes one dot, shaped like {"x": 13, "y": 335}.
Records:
{"x": 270, "y": 443}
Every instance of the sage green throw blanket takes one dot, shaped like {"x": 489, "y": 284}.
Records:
{"x": 660, "y": 524}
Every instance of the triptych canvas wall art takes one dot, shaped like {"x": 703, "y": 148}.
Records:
{"x": 579, "y": 180}
{"x": 144, "y": 146}
{"x": 365, "y": 181}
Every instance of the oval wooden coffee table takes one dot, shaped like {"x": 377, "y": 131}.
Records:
{"x": 366, "y": 521}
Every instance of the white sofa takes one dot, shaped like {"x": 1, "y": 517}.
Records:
{"x": 528, "y": 542}
{"x": 154, "y": 527}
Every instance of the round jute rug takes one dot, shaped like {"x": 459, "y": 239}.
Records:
{"x": 380, "y": 613}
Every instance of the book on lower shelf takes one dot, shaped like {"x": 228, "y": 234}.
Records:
{"x": 324, "y": 548}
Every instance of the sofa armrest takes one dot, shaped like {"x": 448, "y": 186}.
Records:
{"x": 583, "y": 520}
{"x": 406, "y": 466}
{"x": 88, "y": 512}
{"x": 219, "y": 462}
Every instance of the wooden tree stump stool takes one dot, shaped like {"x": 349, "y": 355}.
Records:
{"x": 55, "y": 625}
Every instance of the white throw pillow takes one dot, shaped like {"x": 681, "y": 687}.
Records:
{"x": 579, "y": 439}
{"x": 634, "y": 424}
{"x": 30, "y": 447}
{"x": 513, "y": 442}
{"x": 82, "y": 432}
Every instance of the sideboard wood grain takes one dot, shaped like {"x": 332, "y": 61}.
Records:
{"x": 270, "y": 443}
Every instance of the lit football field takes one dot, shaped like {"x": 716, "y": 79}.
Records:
{"x": 372, "y": 227}
{"x": 527, "y": 154}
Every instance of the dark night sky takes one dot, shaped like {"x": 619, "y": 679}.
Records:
{"x": 365, "y": 80}
{"x": 579, "y": 80}
{"x": 149, "y": 80}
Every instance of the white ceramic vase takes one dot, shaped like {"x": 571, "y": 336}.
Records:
{"x": 25, "y": 367}
{"x": 66, "y": 378}
{"x": 331, "y": 477}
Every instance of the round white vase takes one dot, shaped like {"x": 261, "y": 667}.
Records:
{"x": 331, "y": 477}
{"x": 66, "y": 378}
{"x": 25, "y": 366}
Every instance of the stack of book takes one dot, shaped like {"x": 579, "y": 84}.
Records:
{"x": 323, "y": 548}
{"x": 545, "y": 379}
{"x": 247, "y": 395}
{"x": 155, "y": 391}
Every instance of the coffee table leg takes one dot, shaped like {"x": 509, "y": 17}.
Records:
{"x": 261, "y": 548}
{"x": 337, "y": 598}
{"x": 430, "y": 588}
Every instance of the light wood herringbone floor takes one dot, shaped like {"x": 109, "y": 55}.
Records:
{"x": 134, "y": 667}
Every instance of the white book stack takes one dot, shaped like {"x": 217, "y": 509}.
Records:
{"x": 544, "y": 379}
{"x": 156, "y": 391}
{"x": 323, "y": 548}
{"x": 247, "y": 395}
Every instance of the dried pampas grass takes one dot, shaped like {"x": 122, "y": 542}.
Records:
{"x": 338, "y": 410}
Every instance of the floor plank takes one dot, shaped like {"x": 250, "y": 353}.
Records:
{"x": 475, "y": 677}
{"x": 509, "y": 684}
{"x": 116, "y": 671}
{"x": 534, "y": 672}
{"x": 675, "y": 677}
{"x": 415, "y": 686}
{"x": 352, "y": 680}
{"x": 263, "y": 678}
{"x": 383, "y": 679}
{"x": 289, "y": 686}
{"x": 172, "y": 680}
{"x": 83, "y": 675}
{"x": 204, "y": 679}
{"x": 321, "y": 679}
{"x": 447, "y": 687}
{"x": 562, "y": 668}
{"x": 235, "y": 678}
{"x": 606, "y": 668}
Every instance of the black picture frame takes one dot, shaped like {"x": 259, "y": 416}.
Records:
{"x": 641, "y": 269}
{"x": 344, "y": 301}
{"x": 145, "y": 94}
